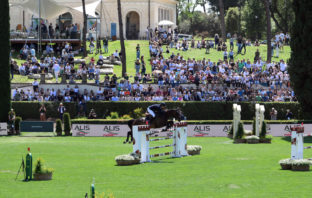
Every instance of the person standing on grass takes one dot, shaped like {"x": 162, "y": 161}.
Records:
{"x": 231, "y": 43}
{"x": 61, "y": 109}
{"x": 137, "y": 65}
{"x": 42, "y": 112}
{"x": 11, "y": 119}
{"x": 105, "y": 44}
{"x": 143, "y": 67}
{"x": 98, "y": 46}
{"x": 138, "y": 52}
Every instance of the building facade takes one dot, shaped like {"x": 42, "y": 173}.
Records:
{"x": 137, "y": 15}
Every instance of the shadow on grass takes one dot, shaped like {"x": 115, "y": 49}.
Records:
{"x": 305, "y": 140}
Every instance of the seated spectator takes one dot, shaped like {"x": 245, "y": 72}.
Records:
{"x": 92, "y": 114}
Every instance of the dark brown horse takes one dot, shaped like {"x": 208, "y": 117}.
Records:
{"x": 162, "y": 120}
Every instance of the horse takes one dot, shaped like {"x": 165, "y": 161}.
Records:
{"x": 159, "y": 121}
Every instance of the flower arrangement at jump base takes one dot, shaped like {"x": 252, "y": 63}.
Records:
{"x": 41, "y": 172}
{"x": 295, "y": 165}
{"x": 245, "y": 136}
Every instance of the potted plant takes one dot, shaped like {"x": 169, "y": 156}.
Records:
{"x": 238, "y": 139}
{"x": 41, "y": 172}
{"x": 263, "y": 137}
{"x": 58, "y": 128}
{"x": 67, "y": 124}
{"x": 252, "y": 139}
{"x": 301, "y": 165}
{"x": 286, "y": 164}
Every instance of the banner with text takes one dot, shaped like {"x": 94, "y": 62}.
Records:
{"x": 193, "y": 130}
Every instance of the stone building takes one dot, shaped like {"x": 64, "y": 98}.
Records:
{"x": 137, "y": 15}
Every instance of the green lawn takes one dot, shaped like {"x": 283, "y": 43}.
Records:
{"x": 192, "y": 53}
{"x": 222, "y": 170}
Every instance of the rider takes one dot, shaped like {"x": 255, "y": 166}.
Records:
{"x": 156, "y": 109}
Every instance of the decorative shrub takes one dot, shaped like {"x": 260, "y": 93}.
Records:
{"x": 113, "y": 115}
{"x": 138, "y": 113}
{"x": 17, "y": 123}
{"x": 67, "y": 124}
{"x": 126, "y": 117}
{"x": 240, "y": 132}
{"x": 263, "y": 130}
{"x": 40, "y": 168}
{"x": 59, "y": 128}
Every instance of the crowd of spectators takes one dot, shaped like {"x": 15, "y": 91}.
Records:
{"x": 224, "y": 80}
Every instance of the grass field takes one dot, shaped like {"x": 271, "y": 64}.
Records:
{"x": 222, "y": 170}
{"x": 144, "y": 46}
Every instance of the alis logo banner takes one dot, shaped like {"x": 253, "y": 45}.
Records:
{"x": 99, "y": 130}
{"x": 81, "y": 130}
{"x": 111, "y": 130}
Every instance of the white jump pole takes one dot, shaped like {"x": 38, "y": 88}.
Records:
{"x": 299, "y": 144}
{"x": 236, "y": 118}
{"x": 181, "y": 139}
{"x": 293, "y": 143}
{"x": 257, "y": 119}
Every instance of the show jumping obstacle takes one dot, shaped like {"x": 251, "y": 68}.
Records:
{"x": 297, "y": 142}
{"x": 259, "y": 115}
{"x": 141, "y": 141}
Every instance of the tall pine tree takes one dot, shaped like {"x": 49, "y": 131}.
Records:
{"x": 300, "y": 67}
{"x": 5, "y": 83}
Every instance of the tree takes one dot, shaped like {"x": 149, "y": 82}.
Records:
{"x": 5, "y": 99}
{"x": 221, "y": 9}
{"x": 269, "y": 33}
{"x": 254, "y": 19}
{"x": 300, "y": 69}
{"x": 227, "y": 4}
{"x": 122, "y": 40}
{"x": 232, "y": 20}
{"x": 84, "y": 31}
{"x": 281, "y": 14}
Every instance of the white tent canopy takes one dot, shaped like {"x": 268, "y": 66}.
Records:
{"x": 48, "y": 8}
{"x": 165, "y": 22}
{"x": 90, "y": 8}
{"x": 53, "y": 8}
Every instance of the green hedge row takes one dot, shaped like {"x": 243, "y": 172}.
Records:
{"x": 103, "y": 121}
{"x": 192, "y": 110}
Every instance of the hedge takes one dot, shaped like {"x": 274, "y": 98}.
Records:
{"x": 119, "y": 121}
{"x": 192, "y": 110}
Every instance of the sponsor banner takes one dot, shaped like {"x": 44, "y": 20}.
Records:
{"x": 196, "y": 130}
{"x": 100, "y": 130}
{"x": 3, "y": 128}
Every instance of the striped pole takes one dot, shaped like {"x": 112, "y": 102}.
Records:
{"x": 161, "y": 154}
{"x": 158, "y": 139}
{"x": 163, "y": 146}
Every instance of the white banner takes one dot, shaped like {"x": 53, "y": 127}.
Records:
{"x": 100, "y": 130}
{"x": 3, "y": 128}
{"x": 193, "y": 130}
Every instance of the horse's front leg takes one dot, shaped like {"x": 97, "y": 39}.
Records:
{"x": 168, "y": 125}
